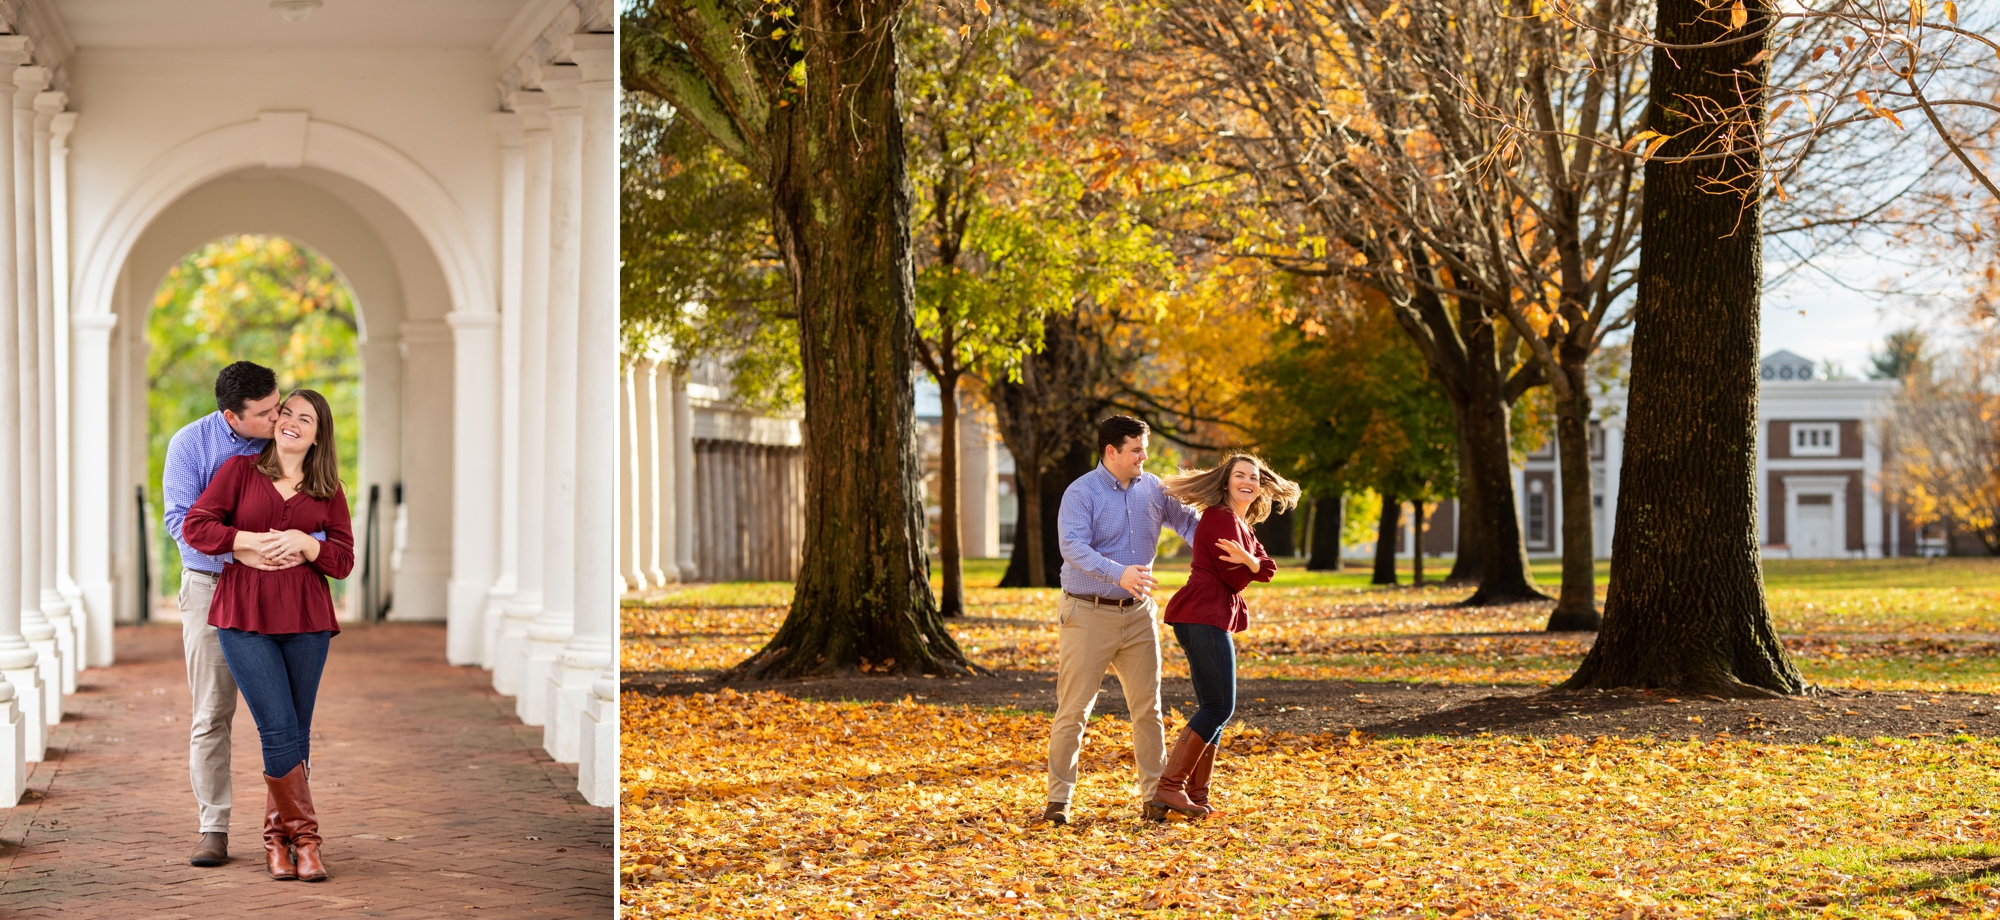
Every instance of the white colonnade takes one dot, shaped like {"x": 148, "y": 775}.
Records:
{"x": 547, "y": 614}
{"x": 45, "y": 639}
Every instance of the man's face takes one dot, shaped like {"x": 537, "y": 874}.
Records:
{"x": 1127, "y": 460}
{"x": 259, "y": 419}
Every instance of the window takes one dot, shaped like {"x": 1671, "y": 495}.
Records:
{"x": 1538, "y": 513}
{"x": 1815, "y": 440}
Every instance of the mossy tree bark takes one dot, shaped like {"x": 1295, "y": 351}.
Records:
{"x": 828, "y": 149}
{"x": 1686, "y": 608}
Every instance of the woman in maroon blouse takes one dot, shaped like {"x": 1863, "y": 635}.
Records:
{"x": 1227, "y": 556}
{"x": 275, "y": 626}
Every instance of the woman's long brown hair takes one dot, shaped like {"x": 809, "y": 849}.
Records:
{"x": 322, "y": 463}
{"x": 1209, "y": 488}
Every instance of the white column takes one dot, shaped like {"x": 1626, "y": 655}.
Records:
{"x": 631, "y": 570}
{"x": 91, "y": 386}
{"x": 646, "y": 394}
{"x": 54, "y": 605}
{"x": 23, "y": 730}
{"x": 60, "y": 128}
{"x": 597, "y": 768}
{"x": 667, "y": 491}
{"x": 685, "y": 512}
{"x": 35, "y": 625}
{"x": 513, "y": 193}
{"x": 511, "y": 653}
{"x": 592, "y": 646}
{"x": 553, "y": 626}
{"x": 475, "y": 481}
{"x": 978, "y": 488}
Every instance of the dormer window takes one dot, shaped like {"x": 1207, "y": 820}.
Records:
{"x": 1815, "y": 440}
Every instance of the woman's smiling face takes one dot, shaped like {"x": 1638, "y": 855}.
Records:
{"x": 1243, "y": 482}
{"x": 298, "y": 425}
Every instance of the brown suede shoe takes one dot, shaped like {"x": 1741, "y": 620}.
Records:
{"x": 1171, "y": 796}
{"x": 1056, "y": 813}
{"x": 213, "y": 850}
{"x": 301, "y": 826}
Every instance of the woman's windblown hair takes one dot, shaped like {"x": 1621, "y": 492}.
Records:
{"x": 1209, "y": 488}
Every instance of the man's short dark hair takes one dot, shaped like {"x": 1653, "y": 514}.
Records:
{"x": 241, "y": 383}
{"x": 1116, "y": 430}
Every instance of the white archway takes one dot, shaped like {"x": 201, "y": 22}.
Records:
{"x": 288, "y": 140}
{"x": 427, "y": 304}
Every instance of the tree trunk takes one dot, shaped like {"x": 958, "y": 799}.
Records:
{"x": 1576, "y": 607}
{"x": 1049, "y": 489}
{"x": 841, "y": 207}
{"x": 1417, "y": 543}
{"x": 1033, "y": 535}
{"x": 1468, "y": 565}
{"x": 1686, "y": 608}
{"x": 1325, "y": 535}
{"x": 950, "y": 551}
{"x": 1277, "y": 533}
{"x": 1386, "y": 534}
{"x": 1503, "y": 575}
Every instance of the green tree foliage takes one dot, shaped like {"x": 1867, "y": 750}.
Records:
{"x": 1902, "y": 352}
{"x": 1003, "y": 237}
{"x": 249, "y": 298}
{"x": 1351, "y": 407}
{"x": 702, "y": 274}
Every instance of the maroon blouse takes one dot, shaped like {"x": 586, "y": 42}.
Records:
{"x": 294, "y": 600}
{"x": 1214, "y": 591}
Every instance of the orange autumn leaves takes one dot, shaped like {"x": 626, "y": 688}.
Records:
{"x": 761, "y": 805}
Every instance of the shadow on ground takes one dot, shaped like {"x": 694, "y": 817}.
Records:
{"x": 1395, "y": 709}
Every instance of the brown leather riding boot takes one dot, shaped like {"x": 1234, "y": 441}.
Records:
{"x": 1197, "y": 783}
{"x": 1172, "y": 792}
{"x": 295, "y": 808}
{"x": 277, "y": 847}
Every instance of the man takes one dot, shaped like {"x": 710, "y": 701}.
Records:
{"x": 246, "y": 400}
{"x": 1110, "y": 529}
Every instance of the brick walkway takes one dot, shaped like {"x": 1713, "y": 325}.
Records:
{"x": 432, "y": 798}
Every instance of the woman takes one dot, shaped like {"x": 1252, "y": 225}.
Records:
{"x": 276, "y": 626}
{"x": 1227, "y": 556}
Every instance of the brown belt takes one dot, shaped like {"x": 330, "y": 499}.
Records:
{"x": 1104, "y": 601}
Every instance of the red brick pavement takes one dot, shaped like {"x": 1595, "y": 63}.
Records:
{"x": 433, "y": 799}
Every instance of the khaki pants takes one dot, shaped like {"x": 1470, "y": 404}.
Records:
{"x": 214, "y": 692}
{"x": 1095, "y": 637}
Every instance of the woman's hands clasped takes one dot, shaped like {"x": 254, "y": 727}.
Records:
{"x": 275, "y": 549}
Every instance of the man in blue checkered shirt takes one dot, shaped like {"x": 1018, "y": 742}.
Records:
{"x": 246, "y": 399}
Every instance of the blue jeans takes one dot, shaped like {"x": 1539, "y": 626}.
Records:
{"x": 1211, "y": 657}
{"x": 279, "y": 677}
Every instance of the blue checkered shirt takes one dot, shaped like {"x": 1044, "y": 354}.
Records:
{"x": 193, "y": 456}
{"x": 1105, "y": 528}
